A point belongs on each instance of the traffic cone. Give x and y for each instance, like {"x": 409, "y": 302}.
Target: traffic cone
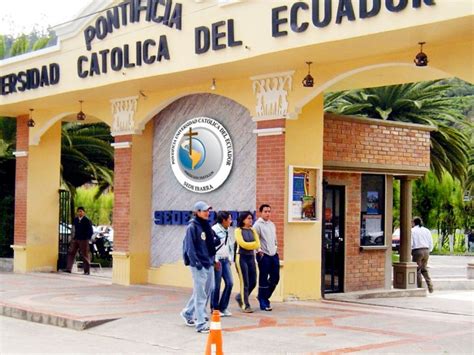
{"x": 214, "y": 341}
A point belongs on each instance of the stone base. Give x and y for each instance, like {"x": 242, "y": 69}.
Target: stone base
{"x": 404, "y": 275}
{"x": 470, "y": 271}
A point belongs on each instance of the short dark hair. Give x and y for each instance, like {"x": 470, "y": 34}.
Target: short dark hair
{"x": 242, "y": 217}
{"x": 263, "y": 206}
{"x": 80, "y": 208}
{"x": 417, "y": 221}
{"x": 222, "y": 216}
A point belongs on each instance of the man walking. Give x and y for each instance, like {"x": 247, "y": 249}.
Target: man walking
{"x": 421, "y": 246}
{"x": 82, "y": 233}
{"x": 267, "y": 258}
{"x": 224, "y": 256}
{"x": 198, "y": 252}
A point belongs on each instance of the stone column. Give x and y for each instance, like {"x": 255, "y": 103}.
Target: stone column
{"x": 404, "y": 272}
{"x": 21, "y": 179}
{"x": 271, "y": 111}
{"x": 36, "y": 198}
{"x": 132, "y": 195}
{"x": 271, "y": 172}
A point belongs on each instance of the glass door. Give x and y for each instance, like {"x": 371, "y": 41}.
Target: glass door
{"x": 333, "y": 239}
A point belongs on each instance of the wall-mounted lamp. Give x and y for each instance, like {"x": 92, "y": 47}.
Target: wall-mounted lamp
{"x": 213, "y": 85}
{"x": 31, "y": 121}
{"x": 81, "y": 116}
{"x": 308, "y": 81}
{"x": 421, "y": 59}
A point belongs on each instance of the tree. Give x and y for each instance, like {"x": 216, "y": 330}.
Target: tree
{"x": 423, "y": 103}
{"x": 86, "y": 156}
{"x": 10, "y": 46}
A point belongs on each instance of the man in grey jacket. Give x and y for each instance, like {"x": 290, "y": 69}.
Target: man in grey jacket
{"x": 267, "y": 258}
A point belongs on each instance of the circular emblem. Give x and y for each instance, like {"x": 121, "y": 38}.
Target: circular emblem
{"x": 201, "y": 154}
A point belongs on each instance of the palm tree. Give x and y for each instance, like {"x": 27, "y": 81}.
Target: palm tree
{"x": 422, "y": 103}
{"x": 86, "y": 156}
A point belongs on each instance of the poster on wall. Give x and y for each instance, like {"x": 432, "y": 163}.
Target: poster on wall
{"x": 298, "y": 186}
{"x": 302, "y": 184}
{"x": 372, "y": 202}
{"x": 372, "y": 229}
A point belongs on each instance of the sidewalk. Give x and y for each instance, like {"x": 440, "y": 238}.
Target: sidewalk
{"x": 148, "y": 316}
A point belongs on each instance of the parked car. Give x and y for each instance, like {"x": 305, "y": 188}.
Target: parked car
{"x": 396, "y": 240}
{"x": 64, "y": 228}
{"x": 102, "y": 242}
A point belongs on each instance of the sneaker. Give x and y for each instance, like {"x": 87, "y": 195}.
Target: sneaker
{"x": 239, "y": 301}
{"x": 430, "y": 288}
{"x": 66, "y": 270}
{"x": 264, "y": 305}
{"x": 225, "y": 313}
{"x": 188, "y": 322}
{"x": 203, "y": 330}
{"x": 267, "y": 308}
{"x": 248, "y": 310}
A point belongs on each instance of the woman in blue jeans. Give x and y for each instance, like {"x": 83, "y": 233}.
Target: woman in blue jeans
{"x": 224, "y": 256}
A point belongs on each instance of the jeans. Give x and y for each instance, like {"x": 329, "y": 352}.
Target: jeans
{"x": 203, "y": 283}
{"x": 269, "y": 276}
{"x": 223, "y": 273}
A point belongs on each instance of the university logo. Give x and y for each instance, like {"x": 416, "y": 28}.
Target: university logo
{"x": 201, "y": 154}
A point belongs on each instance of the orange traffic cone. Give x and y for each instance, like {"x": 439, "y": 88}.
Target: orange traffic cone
{"x": 214, "y": 341}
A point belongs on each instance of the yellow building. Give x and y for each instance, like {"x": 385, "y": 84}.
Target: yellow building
{"x": 151, "y": 70}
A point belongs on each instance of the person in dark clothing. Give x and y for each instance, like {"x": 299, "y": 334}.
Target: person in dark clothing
{"x": 248, "y": 241}
{"x": 82, "y": 233}
{"x": 267, "y": 258}
{"x": 199, "y": 250}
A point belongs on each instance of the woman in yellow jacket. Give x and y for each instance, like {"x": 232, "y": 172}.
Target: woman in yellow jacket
{"x": 247, "y": 241}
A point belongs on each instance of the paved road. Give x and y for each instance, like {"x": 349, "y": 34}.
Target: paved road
{"x": 148, "y": 322}
{"x": 303, "y": 327}
{"x": 445, "y": 266}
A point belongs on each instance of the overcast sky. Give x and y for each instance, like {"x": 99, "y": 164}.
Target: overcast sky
{"x": 21, "y": 16}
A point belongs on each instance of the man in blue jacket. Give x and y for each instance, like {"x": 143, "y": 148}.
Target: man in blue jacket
{"x": 198, "y": 252}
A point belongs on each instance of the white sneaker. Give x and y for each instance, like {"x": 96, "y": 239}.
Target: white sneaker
{"x": 225, "y": 313}
{"x": 187, "y": 321}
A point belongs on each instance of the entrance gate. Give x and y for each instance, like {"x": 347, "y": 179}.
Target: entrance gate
{"x": 64, "y": 227}
{"x": 333, "y": 239}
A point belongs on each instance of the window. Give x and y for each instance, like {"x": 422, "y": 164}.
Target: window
{"x": 372, "y": 205}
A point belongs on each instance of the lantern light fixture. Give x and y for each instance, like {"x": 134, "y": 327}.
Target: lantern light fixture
{"x": 81, "y": 116}
{"x": 213, "y": 85}
{"x": 308, "y": 81}
{"x": 31, "y": 122}
{"x": 421, "y": 59}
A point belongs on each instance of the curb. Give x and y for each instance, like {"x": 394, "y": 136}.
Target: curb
{"x": 453, "y": 284}
{"x": 381, "y": 293}
{"x": 50, "y": 319}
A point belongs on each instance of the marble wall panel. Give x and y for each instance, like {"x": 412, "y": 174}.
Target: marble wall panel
{"x": 237, "y": 193}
